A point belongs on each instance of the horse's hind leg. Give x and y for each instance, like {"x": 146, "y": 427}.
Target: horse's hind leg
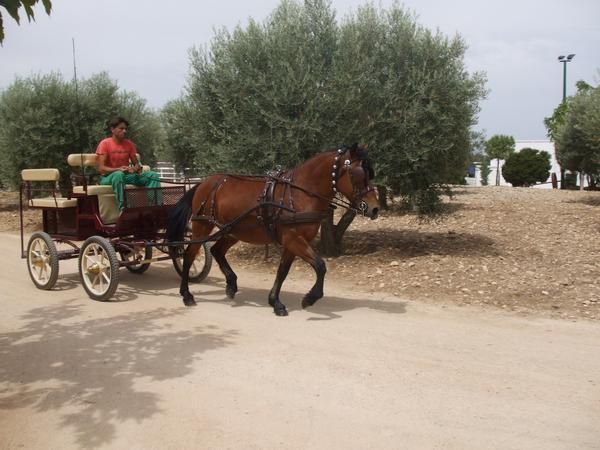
{"x": 284, "y": 267}
{"x": 199, "y": 230}
{"x": 218, "y": 250}
{"x": 184, "y": 287}
{"x": 299, "y": 246}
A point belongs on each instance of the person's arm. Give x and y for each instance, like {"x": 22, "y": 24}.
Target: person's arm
{"x": 104, "y": 169}
{"x": 137, "y": 168}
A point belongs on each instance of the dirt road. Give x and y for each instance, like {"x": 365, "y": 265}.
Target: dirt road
{"x": 356, "y": 371}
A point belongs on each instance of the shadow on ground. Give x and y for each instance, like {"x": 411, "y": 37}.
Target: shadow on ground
{"x": 409, "y": 243}
{"x": 89, "y": 369}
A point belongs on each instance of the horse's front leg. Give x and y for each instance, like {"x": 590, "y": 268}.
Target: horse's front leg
{"x": 300, "y": 247}
{"x": 284, "y": 267}
{"x": 218, "y": 250}
{"x": 184, "y": 288}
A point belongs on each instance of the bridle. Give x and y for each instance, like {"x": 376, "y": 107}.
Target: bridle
{"x": 356, "y": 201}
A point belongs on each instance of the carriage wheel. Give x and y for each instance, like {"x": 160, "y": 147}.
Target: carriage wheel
{"x": 201, "y": 265}
{"x": 42, "y": 260}
{"x": 99, "y": 268}
{"x": 138, "y": 254}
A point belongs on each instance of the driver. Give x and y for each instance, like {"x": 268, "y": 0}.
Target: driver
{"x": 118, "y": 163}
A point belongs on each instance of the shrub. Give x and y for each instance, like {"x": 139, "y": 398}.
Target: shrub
{"x": 527, "y": 167}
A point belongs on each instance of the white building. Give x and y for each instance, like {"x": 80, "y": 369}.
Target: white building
{"x": 542, "y": 145}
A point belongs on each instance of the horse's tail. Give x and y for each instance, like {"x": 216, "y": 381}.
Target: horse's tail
{"x": 179, "y": 216}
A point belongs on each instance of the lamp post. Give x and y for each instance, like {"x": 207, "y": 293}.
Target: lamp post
{"x": 564, "y": 60}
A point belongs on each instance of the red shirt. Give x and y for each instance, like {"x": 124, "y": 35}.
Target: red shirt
{"x": 117, "y": 154}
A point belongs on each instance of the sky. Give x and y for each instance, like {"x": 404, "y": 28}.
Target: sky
{"x": 146, "y": 48}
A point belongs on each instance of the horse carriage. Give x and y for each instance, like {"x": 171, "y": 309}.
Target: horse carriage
{"x": 284, "y": 207}
{"x": 87, "y": 225}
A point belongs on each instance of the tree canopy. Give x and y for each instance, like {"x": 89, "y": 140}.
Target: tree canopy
{"x": 499, "y": 146}
{"x": 275, "y": 93}
{"x": 44, "y": 118}
{"x": 13, "y": 8}
{"x": 576, "y": 139}
{"x": 527, "y": 167}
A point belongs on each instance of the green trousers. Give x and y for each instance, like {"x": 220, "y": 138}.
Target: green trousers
{"x": 119, "y": 179}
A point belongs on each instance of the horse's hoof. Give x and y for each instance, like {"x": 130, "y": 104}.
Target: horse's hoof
{"x": 189, "y": 301}
{"x": 281, "y": 311}
{"x": 306, "y": 302}
{"x": 230, "y": 292}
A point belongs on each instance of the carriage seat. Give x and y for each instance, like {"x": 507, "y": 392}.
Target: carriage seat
{"x": 30, "y": 176}
{"x": 107, "y": 203}
{"x": 83, "y": 160}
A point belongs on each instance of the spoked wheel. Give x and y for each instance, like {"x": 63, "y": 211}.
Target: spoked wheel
{"x": 138, "y": 254}
{"x": 42, "y": 260}
{"x": 99, "y": 268}
{"x": 201, "y": 265}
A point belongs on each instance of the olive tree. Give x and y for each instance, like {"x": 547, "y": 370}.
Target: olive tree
{"x": 577, "y": 143}
{"x": 275, "y": 93}
{"x": 45, "y": 118}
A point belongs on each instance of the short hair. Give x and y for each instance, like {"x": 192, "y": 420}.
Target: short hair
{"x": 116, "y": 121}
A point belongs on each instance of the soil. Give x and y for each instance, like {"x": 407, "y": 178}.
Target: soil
{"x": 440, "y": 365}
{"x": 529, "y": 251}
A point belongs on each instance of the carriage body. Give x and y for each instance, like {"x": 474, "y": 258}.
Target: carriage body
{"x": 86, "y": 224}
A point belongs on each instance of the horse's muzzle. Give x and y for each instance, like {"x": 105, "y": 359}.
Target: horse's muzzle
{"x": 364, "y": 208}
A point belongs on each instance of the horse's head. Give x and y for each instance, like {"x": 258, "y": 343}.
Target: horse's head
{"x": 352, "y": 174}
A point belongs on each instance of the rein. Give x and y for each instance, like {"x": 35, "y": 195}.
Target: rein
{"x": 270, "y": 212}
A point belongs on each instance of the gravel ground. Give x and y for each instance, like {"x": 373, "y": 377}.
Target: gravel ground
{"x": 527, "y": 251}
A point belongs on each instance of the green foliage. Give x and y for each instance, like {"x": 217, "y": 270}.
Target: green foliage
{"x": 554, "y": 122}
{"x": 485, "y": 170}
{"x": 258, "y": 97}
{"x": 499, "y": 147}
{"x": 577, "y": 140}
{"x": 527, "y": 167}
{"x": 13, "y": 6}
{"x": 45, "y": 118}
{"x": 278, "y": 92}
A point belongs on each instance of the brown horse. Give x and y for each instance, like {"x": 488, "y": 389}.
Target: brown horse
{"x": 286, "y": 207}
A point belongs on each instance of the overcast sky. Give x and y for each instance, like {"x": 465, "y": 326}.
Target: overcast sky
{"x": 144, "y": 46}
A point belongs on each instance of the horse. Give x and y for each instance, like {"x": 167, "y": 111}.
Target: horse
{"x": 284, "y": 207}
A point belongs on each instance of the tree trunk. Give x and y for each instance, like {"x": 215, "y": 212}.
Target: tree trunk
{"x": 497, "y": 172}
{"x": 331, "y": 234}
{"x": 382, "y": 192}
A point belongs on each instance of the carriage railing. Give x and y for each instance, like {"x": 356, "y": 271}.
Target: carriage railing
{"x": 148, "y": 197}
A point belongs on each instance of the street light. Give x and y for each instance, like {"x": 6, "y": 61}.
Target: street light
{"x": 565, "y": 59}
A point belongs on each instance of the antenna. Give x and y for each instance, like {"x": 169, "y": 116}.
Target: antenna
{"x": 74, "y": 68}
{"x": 77, "y": 109}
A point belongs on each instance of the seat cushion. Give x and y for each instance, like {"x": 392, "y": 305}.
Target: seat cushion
{"x": 97, "y": 189}
{"x": 40, "y": 174}
{"x": 52, "y": 202}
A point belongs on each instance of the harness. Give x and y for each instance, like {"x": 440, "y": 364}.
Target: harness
{"x": 272, "y": 211}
